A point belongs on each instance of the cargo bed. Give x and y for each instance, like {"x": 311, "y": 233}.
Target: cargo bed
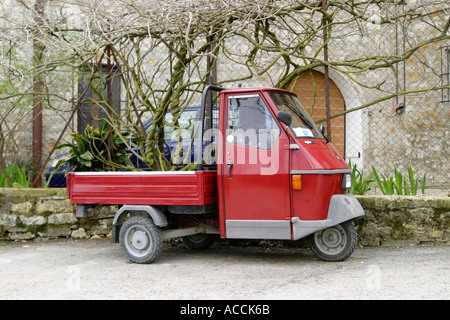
{"x": 195, "y": 188}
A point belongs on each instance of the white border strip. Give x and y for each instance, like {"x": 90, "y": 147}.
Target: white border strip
{"x": 134, "y": 173}
{"x": 336, "y": 171}
{"x": 244, "y": 96}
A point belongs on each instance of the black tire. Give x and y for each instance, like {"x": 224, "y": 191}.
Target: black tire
{"x": 199, "y": 241}
{"x": 336, "y": 243}
{"x": 141, "y": 239}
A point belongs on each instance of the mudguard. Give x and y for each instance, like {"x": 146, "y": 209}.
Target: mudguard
{"x": 343, "y": 207}
{"x": 156, "y": 214}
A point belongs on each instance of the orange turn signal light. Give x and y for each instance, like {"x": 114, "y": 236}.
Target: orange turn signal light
{"x": 297, "y": 183}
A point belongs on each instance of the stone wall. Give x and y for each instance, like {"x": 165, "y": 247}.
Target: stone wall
{"x": 394, "y": 219}
{"x": 27, "y": 214}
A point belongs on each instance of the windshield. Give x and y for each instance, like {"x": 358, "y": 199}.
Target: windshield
{"x": 302, "y": 125}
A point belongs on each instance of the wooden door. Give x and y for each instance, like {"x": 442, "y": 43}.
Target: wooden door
{"x": 312, "y": 96}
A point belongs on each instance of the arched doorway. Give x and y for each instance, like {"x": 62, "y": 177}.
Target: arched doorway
{"x": 310, "y": 89}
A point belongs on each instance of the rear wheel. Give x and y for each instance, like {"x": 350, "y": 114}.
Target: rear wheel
{"x": 199, "y": 241}
{"x": 334, "y": 244}
{"x": 141, "y": 239}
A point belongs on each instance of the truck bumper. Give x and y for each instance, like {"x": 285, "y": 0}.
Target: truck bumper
{"x": 343, "y": 207}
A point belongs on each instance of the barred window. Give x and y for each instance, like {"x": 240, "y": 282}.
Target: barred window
{"x": 98, "y": 103}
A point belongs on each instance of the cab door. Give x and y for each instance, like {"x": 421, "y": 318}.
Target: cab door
{"x": 255, "y": 172}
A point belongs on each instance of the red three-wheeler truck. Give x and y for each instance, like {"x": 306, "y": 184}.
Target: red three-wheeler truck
{"x": 264, "y": 171}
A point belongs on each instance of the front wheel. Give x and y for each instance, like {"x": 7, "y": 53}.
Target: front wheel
{"x": 336, "y": 243}
{"x": 141, "y": 239}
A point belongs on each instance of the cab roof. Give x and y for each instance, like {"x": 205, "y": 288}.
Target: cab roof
{"x": 251, "y": 89}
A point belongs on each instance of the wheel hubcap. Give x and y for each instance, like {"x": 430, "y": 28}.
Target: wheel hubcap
{"x": 138, "y": 241}
{"x": 331, "y": 240}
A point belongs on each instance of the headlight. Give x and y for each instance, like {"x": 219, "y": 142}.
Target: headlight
{"x": 347, "y": 181}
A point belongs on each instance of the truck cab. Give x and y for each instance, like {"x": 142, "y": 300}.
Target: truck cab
{"x": 278, "y": 175}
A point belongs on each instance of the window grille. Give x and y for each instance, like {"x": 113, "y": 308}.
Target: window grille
{"x": 93, "y": 111}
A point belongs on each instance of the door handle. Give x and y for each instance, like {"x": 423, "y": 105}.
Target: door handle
{"x": 229, "y": 164}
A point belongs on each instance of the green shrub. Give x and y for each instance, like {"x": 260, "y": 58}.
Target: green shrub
{"x": 360, "y": 184}
{"x": 398, "y": 184}
{"x": 17, "y": 176}
{"x": 97, "y": 150}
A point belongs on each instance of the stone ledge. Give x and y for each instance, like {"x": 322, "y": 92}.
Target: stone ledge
{"x": 27, "y": 214}
{"x": 405, "y": 219}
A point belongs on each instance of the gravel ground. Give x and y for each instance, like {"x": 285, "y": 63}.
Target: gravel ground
{"x": 98, "y": 269}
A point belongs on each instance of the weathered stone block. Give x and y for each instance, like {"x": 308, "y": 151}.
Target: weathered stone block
{"x": 58, "y": 232}
{"x": 33, "y": 220}
{"x": 22, "y": 236}
{"x": 16, "y": 229}
{"x": 79, "y": 234}
{"x": 22, "y": 207}
{"x": 8, "y": 220}
{"x": 102, "y": 228}
{"x": 53, "y": 206}
{"x": 62, "y": 218}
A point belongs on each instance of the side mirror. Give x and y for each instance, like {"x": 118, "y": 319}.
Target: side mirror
{"x": 285, "y": 117}
{"x": 322, "y": 129}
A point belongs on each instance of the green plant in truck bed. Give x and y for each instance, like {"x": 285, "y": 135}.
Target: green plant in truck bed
{"x": 100, "y": 149}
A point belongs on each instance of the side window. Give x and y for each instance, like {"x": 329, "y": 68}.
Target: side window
{"x": 250, "y": 122}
